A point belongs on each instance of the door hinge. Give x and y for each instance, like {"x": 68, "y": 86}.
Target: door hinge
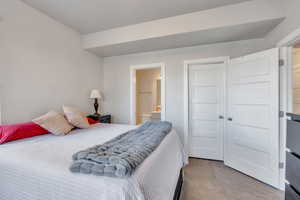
{"x": 281, "y": 165}
{"x": 281, "y": 114}
{"x": 281, "y": 62}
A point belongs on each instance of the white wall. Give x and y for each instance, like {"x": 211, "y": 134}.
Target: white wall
{"x": 291, "y": 22}
{"x": 42, "y": 64}
{"x": 117, "y": 76}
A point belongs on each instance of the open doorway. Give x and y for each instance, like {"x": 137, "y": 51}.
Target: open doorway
{"x": 147, "y": 93}
{"x": 296, "y": 79}
{"x": 148, "y": 100}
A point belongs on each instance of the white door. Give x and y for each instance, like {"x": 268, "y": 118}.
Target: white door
{"x": 206, "y": 110}
{"x": 252, "y": 127}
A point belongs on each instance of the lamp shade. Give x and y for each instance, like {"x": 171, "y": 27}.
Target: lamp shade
{"x": 95, "y": 94}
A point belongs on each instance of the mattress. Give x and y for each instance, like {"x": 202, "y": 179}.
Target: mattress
{"x": 38, "y": 169}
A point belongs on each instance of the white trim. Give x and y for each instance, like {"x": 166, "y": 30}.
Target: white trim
{"x": 133, "y": 69}
{"x": 283, "y": 99}
{"x": 215, "y": 60}
{"x": 0, "y": 114}
{"x": 1, "y": 100}
{"x": 186, "y": 63}
{"x": 226, "y": 62}
{"x": 285, "y": 102}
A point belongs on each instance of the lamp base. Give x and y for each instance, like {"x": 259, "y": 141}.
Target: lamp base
{"x": 97, "y": 114}
{"x": 96, "y": 106}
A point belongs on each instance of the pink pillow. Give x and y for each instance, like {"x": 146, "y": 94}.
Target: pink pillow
{"x": 92, "y": 121}
{"x": 20, "y": 131}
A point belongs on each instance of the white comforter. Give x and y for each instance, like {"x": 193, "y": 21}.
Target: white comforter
{"x": 38, "y": 169}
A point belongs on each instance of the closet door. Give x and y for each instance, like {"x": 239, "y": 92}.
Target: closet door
{"x": 206, "y": 109}
{"x": 252, "y": 128}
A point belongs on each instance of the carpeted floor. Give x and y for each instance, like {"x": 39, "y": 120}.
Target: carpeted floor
{"x": 211, "y": 180}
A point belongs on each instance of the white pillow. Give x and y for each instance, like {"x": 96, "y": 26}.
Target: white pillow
{"x": 54, "y": 122}
{"x": 75, "y": 117}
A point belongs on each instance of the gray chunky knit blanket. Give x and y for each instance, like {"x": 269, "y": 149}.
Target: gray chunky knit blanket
{"x": 120, "y": 156}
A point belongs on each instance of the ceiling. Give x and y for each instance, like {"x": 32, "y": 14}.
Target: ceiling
{"x": 97, "y": 15}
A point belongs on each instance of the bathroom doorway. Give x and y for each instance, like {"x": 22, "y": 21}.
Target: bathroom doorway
{"x": 147, "y": 93}
{"x": 295, "y": 79}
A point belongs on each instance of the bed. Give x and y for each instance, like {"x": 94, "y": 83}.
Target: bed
{"x": 38, "y": 169}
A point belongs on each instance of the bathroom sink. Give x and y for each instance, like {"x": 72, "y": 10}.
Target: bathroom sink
{"x": 155, "y": 115}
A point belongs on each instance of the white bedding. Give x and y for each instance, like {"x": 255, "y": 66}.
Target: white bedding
{"x": 38, "y": 169}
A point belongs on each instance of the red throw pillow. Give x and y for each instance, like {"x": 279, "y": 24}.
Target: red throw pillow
{"x": 20, "y": 131}
{"x": 92, "y": 121}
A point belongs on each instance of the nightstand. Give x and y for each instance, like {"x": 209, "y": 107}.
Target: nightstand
{"x": 103, "y": 118}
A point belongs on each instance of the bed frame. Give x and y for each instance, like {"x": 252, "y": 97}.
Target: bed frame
{"x": 179, "y": 185}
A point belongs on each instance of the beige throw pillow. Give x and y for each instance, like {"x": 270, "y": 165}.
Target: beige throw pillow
{"x": 75, "y": 117}
{"x": 54, "y": 122}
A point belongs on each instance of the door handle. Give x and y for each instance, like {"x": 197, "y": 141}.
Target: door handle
{"x": 229, "y": 119}
{"x": 221, "y": 117}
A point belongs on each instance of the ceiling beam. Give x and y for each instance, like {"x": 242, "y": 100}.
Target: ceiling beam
{"x": 247, "y": 20}
{"x": 232, "y": 15}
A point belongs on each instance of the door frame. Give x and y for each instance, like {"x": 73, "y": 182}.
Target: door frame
{"x": 187, "y": 63}
{"x": 133, "y": 69}
{"x": 286, "y": 93}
